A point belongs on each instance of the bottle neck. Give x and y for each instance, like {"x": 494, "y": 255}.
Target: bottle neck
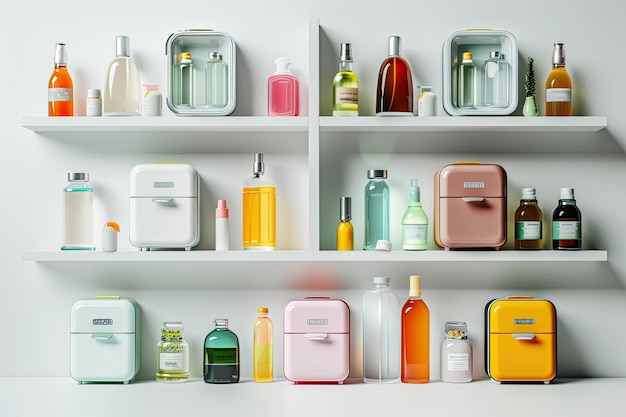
{"x": 567, "y": 202}
{"x": 414, "y": 196}
{"x": 345, "y": 66}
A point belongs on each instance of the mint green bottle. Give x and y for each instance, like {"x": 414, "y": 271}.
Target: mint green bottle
{"x": 376, "y": 208}
{"x": 221, "y": 355}
{"x": 414, "y": 222}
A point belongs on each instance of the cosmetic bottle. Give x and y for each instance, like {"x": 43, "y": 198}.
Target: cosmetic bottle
{"x": 283, "y": 98}
{"x": 221, "y": 226}
{"x": 528, "y": 222}
{"x": 78, "y": 213}
{"x": 93, "y": 105}
{"x": 152, "y": 100}
{"x": 496, "y": 75}
{"x": 381, "y": 333}
{"x": 415, "y": 340}
{"x": 456, "y": 353}
{"x": 221, "y": 355}
{"x": 184, "y": 81}
{"x": 558, "y": 85}
{"x": 394, "y": 92}
{"x": 216, "y": 81}
{"x": 345, "y": 231}
{"x": 567, "y": 223}
{"x": 414, "y": 222}
{"x": 345, "y": 85}
{"x": 259, "y": 209}
{"x": 376, "y": 208}
{"x": 467, "y": 81}
{"x": 60, "y": 85}
{"x": 263, "y": 347}
{"x": 173, "y": 354}
{"x": 122, "y": 92}
{"x": 426, "y": 101}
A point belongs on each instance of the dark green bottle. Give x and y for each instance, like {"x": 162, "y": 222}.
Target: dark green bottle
{"x": 221, "y": 355}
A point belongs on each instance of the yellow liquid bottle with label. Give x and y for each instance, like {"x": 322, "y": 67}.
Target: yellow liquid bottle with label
{"x": 259, "y": 209}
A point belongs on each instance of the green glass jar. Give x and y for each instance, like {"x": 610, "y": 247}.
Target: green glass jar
{"x": 221, "y": 355}
{"x": 173, "y": 354}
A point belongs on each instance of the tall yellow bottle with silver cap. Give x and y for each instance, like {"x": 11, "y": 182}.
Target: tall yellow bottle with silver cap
{"x": 259, "y": 209}
{"x": 415, "y": 340}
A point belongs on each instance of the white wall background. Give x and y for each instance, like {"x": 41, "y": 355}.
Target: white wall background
{"x": 36, "y": 299}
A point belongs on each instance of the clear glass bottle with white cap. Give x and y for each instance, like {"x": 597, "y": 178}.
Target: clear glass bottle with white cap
{"x": 381, "y": 333}
{"x": 376, "y": 208}
{"x": 456, "y": 353}
{"x": 78, "y": 213}
{"x": 122, "y": 92}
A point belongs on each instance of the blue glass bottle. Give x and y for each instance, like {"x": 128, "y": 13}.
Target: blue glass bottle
{"x": 376, "y": 208}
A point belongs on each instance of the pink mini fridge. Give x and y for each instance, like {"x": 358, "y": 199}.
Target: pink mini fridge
{"x": 470, "y": 206}
{"x": 316, "y": 340}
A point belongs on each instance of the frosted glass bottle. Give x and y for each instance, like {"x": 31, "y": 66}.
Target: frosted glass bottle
{"x": 221, "y": 355}
{"x": 376, "y": 208}
{"x": 467, "y": 81}
{"x": 259, "y": 209}
{"x": 263, "y": 347}
{"x": 381, "y": 333}
{"x": 216, "y": 83}
{"x": 184, "y": 81}
{"x": 122, "y": 90}
{"x": 78, "y": 213}
{"x": 414, "y": 222}
{"x": 496, "y": 75}
{"x": 456, "y": 353}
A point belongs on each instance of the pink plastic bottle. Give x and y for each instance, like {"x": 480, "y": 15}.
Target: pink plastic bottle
{"x": 283, "y": 91}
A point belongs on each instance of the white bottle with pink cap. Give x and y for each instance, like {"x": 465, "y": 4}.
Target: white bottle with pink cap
{"x": 221, "y": 226}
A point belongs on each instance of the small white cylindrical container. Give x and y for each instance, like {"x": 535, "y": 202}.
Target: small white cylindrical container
{"x": 221, "y": 226}
{"x": 109, "y": 237}
{"x": 426, "y": 101}
{"x": 93, "y": 103}
{"x": 456, "y": 353}
{"x": 152, "y": 101}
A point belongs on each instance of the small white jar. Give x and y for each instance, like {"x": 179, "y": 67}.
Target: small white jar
{"x": 94, "y": 103}
{"x": 152, "y": 101}
{"x": 456, "y": 353}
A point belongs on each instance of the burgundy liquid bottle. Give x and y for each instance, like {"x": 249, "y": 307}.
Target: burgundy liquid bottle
{"x": 394, "y": 95}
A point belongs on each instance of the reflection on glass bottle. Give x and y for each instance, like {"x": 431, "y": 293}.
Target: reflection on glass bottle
{"x": 467, "y": 81}
{"x": 495, "y": 71}
{"x": 184, "y": 81}
{"x": 221, "y": 355}
{"x": 216, "y": 83}
{"x": 395, "y": 82}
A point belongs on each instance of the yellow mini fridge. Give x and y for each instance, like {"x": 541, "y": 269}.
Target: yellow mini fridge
{"x": 520, "y": 340}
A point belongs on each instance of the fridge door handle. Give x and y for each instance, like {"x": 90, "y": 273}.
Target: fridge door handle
{"x": 162, "y": 200}
{"x": 523, "y": 336}
{"x": 473, "y": 199}
{"x": 316, "y": 336}
{"x": 102, "y": 336}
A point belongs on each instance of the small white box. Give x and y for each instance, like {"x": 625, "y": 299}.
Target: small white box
{"x": 164, "y": 206}
{"x": 104, "y": 340}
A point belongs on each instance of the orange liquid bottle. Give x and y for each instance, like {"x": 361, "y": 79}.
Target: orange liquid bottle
{"x": 60, "y": 86}
{"x": 415, "y": 341}
{"x": 558, "y": 86}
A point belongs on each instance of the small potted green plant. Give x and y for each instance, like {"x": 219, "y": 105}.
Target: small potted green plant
{"x": 530, "y": 104}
